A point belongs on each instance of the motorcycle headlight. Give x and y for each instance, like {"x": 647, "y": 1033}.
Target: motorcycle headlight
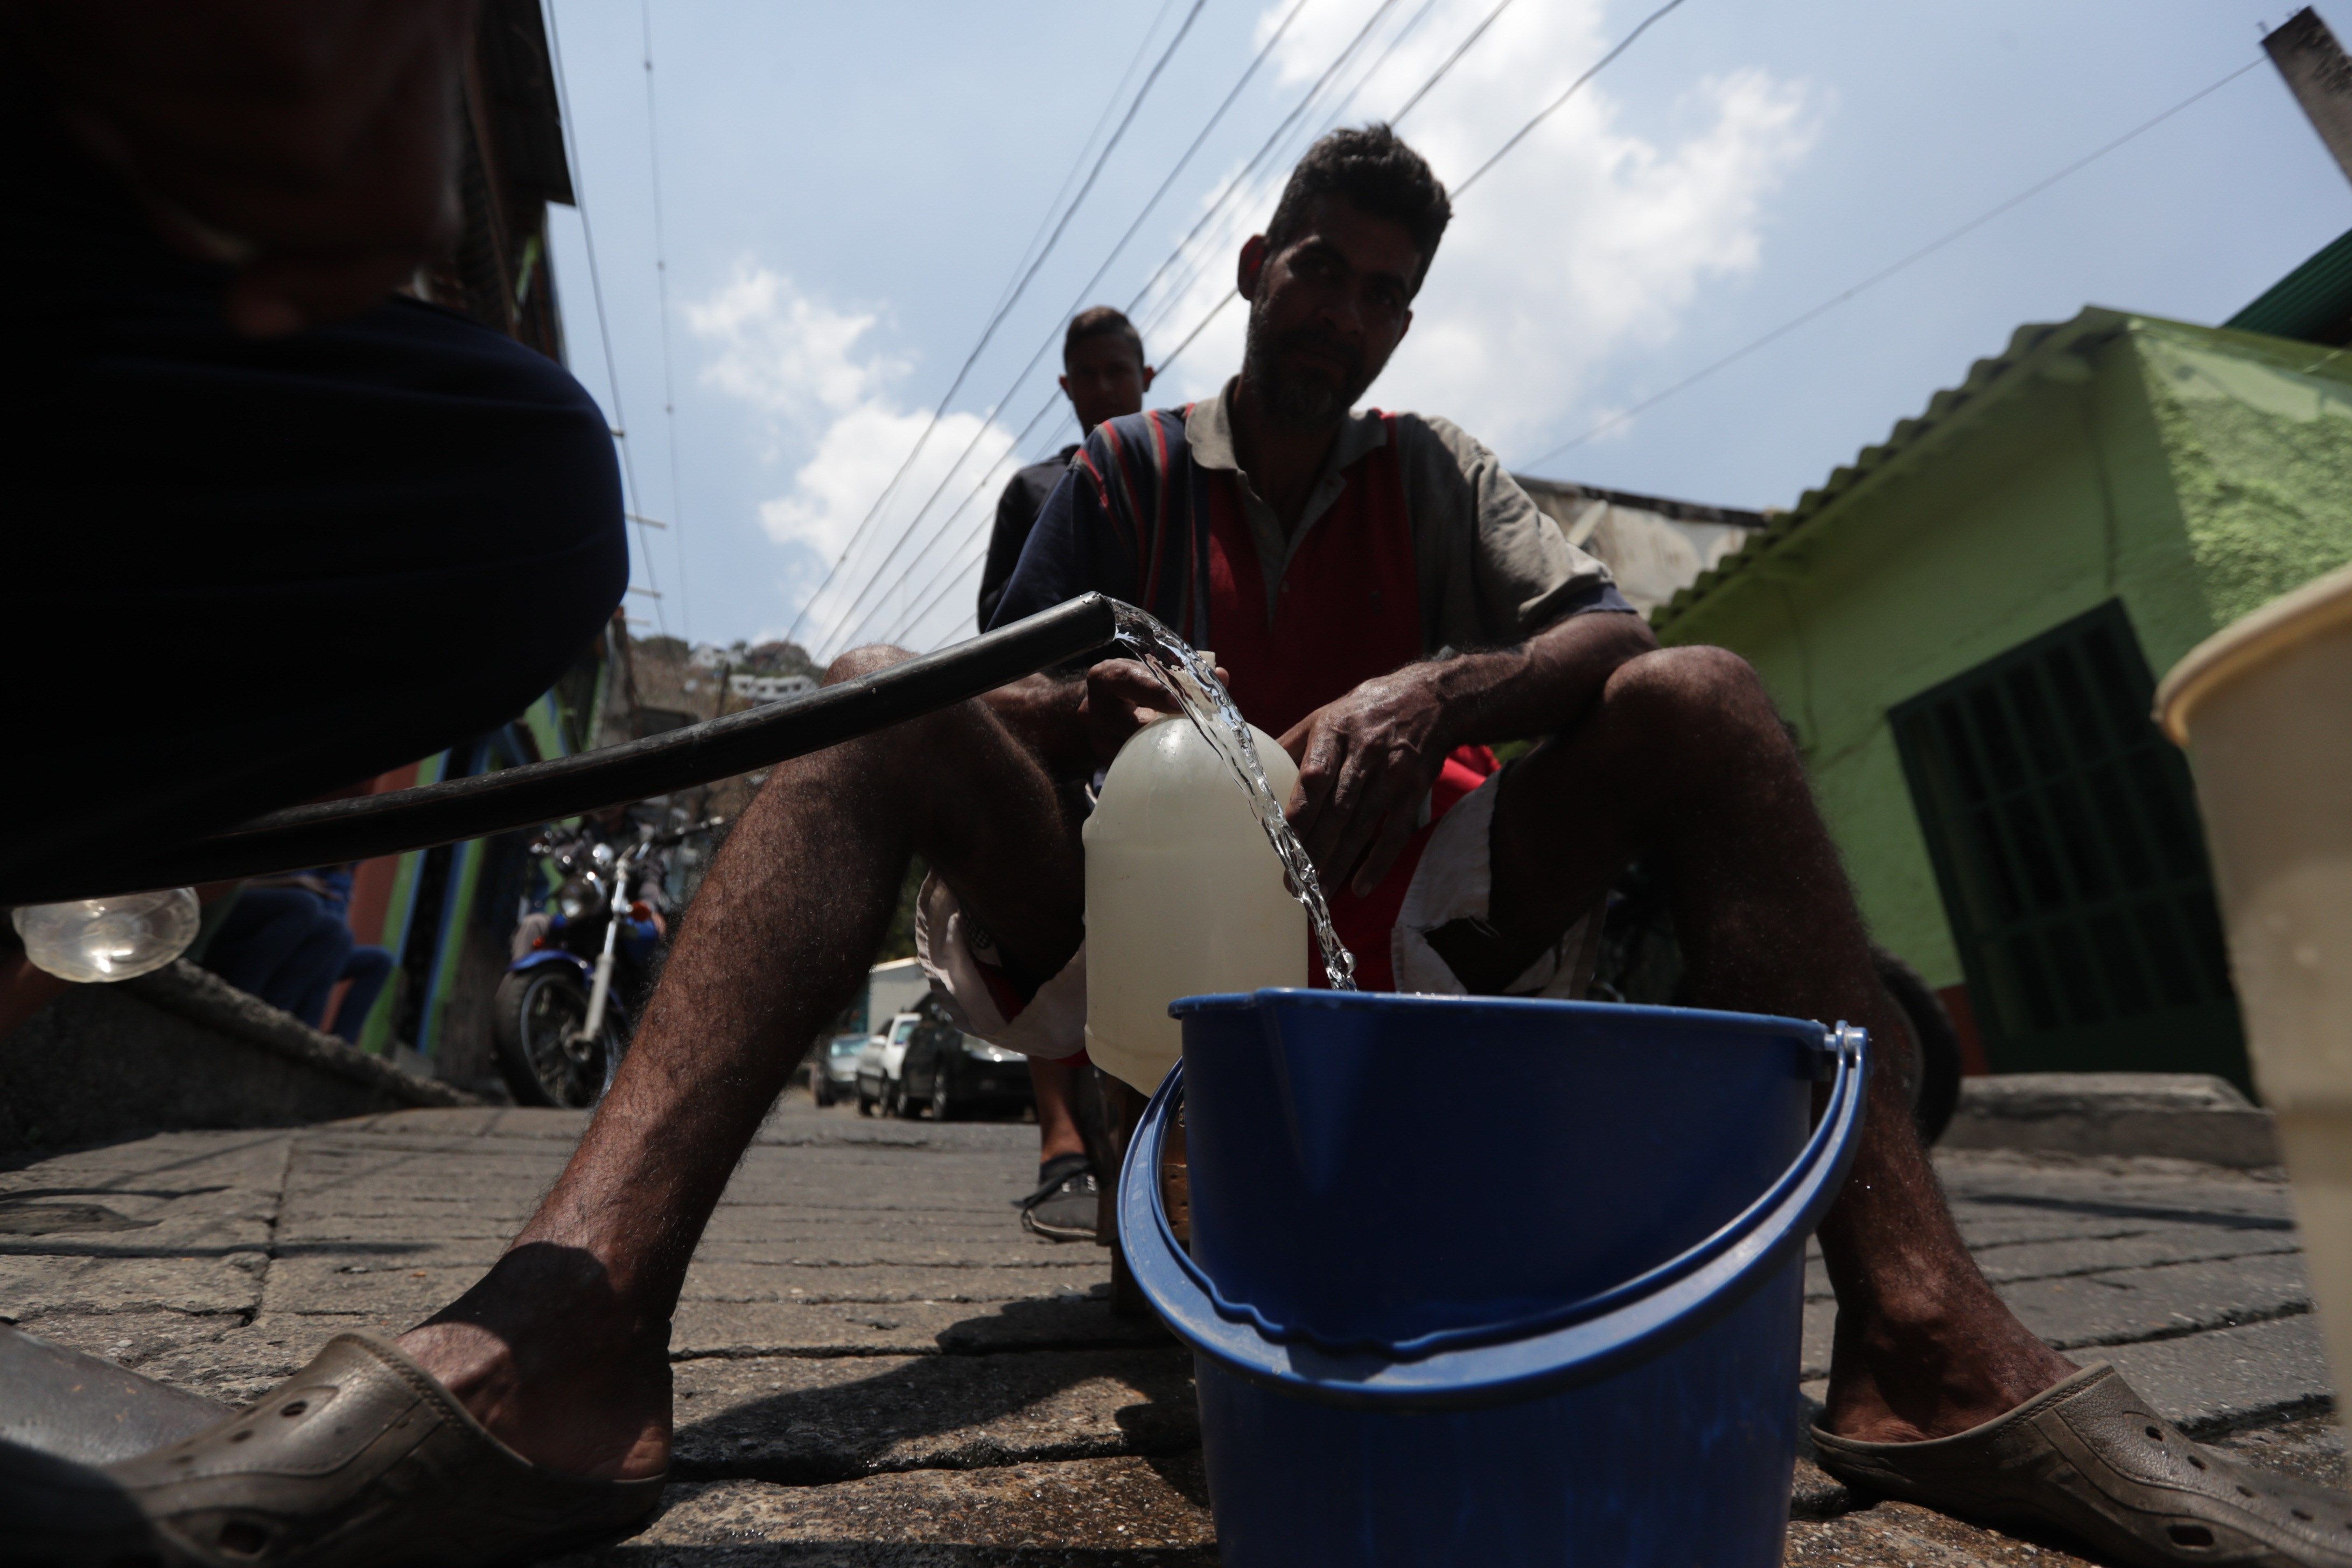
{"x": 577, "y": 899}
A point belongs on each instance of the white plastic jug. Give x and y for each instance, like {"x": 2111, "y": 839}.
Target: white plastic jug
{"x": 1184, "y": 895}
{"x": 2264, "y": 709}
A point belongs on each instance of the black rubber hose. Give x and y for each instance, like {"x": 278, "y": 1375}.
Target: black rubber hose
{"x": 331, "y": 832}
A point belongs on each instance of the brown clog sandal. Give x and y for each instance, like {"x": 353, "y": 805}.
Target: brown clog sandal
{"x": 2094, "y": 1459}
{"x": 362, "y": 1460}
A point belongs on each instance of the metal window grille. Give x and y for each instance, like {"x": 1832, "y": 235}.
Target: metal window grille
{"x": 2066, "y": 843}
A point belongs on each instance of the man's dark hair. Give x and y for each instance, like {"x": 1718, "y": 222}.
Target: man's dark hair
{"x": 1097, "y": 321}
{"x": 1374, "y": 169}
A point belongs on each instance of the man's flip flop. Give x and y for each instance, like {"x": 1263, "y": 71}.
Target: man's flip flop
{"x": 362, "y": 1460}
{"x": 2094, "y": 1459}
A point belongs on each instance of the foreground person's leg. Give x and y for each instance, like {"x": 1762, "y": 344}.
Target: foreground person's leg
{"x": 1685, "y": 760}
{"x": 563, "y": 1349}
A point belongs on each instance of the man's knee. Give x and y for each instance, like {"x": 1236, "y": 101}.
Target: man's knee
{"x": 1684, "y": 689}
{"x": 960, "y": 731}
{"x": 868, "y": 660}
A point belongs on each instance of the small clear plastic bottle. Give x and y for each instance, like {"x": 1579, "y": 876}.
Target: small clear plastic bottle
{"x": 109, "y": 939}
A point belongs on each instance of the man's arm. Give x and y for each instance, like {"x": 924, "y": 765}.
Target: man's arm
{"x": 1014, "y": 520}
{"x": 1366, "y": 761}
{"x": 1074, "y": 720}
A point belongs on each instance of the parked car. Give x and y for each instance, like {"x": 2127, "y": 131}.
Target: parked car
{"x": 879, "y": 1063}
{"x": 952, "y": 1073}
{"x": 833, "y": 1074}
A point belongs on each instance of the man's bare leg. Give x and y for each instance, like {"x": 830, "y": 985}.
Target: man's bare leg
{"x": 562, "y": 1349}
{"x": 1684, "y": 759}
{"x": 1056, "y": 1085}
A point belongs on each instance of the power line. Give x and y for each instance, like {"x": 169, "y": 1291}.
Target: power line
{"x": 930, "y": 596}
{"x": 1233, "y": 184}
{"x": 1199, "y": 327}
{"x": 989, "y": 332}
{"x": 1419, "y": 93}
{"x": 1214, "y": 210}
{"x": 907, "y": 623}
{"x": 1085, "y": 149}
{"x": 1459, "y": 50}
{"x": 1207, "y": 253}
{"x": 596, "y": 289}
{"x": 1785, "y": 327}
{"x": 1022, "y": 270}
{"x": 1084, "y": 289}
{"x": 661, "y": 277}
{"x": 1545, "y": 112}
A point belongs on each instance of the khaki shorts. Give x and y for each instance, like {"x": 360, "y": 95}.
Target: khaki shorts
{"x": 1452, "y": 882}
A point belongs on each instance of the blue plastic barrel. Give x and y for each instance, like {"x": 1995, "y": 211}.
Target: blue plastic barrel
{"x": 1494, "y": 1282}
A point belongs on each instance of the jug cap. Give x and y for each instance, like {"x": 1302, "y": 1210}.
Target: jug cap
{"x": 2284, "y": 624}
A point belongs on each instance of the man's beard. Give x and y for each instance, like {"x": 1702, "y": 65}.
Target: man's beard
{"x": 1299, "y": 399}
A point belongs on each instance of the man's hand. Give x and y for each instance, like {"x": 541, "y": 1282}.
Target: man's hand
{"x": 1122, "y": 696}
{"x": 1365, "y": 766}
{"x": 1079, "y": 725}
{"x": 311, "y": 143}
{"x": 1366, "y": 762}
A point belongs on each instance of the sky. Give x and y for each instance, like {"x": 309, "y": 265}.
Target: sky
{"x": 799, "y": 242}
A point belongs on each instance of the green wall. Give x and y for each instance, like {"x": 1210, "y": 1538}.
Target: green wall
{"x": 2192, "y": 472}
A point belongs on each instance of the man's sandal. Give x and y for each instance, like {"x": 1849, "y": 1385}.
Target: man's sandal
{"x": 362, "y": 1460}
{"x": 2094, "y": 1459}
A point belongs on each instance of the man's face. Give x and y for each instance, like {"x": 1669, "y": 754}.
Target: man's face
{"x": 1104, "y": 378}
{"x": 1326, "y": 310}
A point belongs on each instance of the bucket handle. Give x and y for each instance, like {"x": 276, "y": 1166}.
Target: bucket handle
{"x": 1579, "y": 1342}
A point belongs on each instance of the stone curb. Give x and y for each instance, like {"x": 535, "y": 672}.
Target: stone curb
{"x": 202, "y": 997}
{"x": 2180, "y": 1116}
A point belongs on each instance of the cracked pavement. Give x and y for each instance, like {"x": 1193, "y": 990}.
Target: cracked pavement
{"x": 876, "y": 1366}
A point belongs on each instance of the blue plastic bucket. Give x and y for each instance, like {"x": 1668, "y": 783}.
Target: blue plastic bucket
{"x": 1485, "y": 1282}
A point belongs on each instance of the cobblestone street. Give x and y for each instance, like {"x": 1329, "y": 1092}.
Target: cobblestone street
{"x": 876, "y": 1365}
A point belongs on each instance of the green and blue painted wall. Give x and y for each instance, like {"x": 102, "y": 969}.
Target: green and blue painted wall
{"x": 2174, "y": 476}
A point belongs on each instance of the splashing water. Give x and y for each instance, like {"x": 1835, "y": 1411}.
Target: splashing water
{"x": 1204, "y": 701}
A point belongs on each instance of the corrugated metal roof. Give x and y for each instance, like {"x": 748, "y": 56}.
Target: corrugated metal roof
{"x": 2313, "y": 303}
{"x": 1988, "y": 379}
{"x": 1679, "y": 510}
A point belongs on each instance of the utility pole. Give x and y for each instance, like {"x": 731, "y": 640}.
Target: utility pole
{"x": 2320, "y": 77}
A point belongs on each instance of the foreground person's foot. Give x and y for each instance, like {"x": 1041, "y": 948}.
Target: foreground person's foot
{"x": 1066, "y": 1202}
{"x": 362, "y": 1458}
{"x": 2089, "y": 1459}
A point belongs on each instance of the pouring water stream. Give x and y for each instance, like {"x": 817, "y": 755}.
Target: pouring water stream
{"x": 1187, "y": 678}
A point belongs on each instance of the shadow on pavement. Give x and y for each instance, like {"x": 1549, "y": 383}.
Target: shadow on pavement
{"x": 960, "y": 1411}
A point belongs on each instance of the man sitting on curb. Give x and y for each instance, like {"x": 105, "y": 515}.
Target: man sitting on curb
{"x": 1332, "y": 561}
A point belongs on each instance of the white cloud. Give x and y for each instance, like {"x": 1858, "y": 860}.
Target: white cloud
{"x": 825, "y": 396}
{"x": 1586, "y": 245}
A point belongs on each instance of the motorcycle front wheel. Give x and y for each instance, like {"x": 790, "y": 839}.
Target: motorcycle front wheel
{"x": 536, "y": 1019}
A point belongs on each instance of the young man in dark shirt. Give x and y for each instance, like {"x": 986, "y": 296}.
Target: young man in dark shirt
{"x": 1105, "y": 377}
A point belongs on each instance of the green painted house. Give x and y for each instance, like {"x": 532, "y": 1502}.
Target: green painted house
{"x": 1964, "y": 627}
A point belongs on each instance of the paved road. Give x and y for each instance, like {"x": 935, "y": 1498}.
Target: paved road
{"x": 876, "y": 1366}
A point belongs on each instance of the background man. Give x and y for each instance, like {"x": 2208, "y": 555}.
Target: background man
{"x": 1104, "y": 376}
{"x": 1336, "y": 558}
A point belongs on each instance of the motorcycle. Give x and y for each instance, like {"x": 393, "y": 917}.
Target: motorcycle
{"x": 559, "y": 1020}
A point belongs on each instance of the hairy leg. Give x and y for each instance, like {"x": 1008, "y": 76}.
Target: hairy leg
{"x": 561, "y": 1350}
{"x": 1684, "y": 759}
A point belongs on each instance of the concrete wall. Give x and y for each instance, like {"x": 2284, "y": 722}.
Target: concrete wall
{"x": 2193, "y": 473}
